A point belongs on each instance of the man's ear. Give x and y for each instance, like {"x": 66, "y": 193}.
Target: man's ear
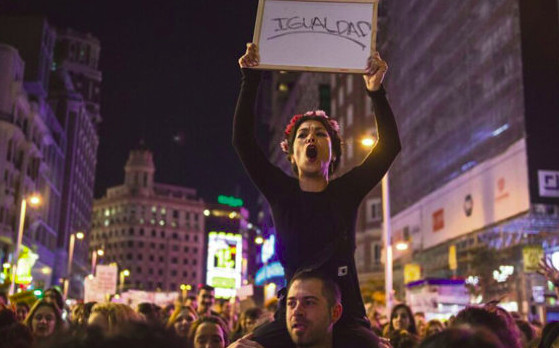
{"x": 336, "y": 312}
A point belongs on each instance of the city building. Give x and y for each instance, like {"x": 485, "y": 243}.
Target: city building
{"x": 32, "y": 145}
{"x": 474, "y": 87}
{"x": 155, "y": 231}
{"x": 74, "y": 96}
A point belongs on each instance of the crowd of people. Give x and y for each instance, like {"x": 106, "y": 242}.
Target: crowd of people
{"x": 313, "y": 306}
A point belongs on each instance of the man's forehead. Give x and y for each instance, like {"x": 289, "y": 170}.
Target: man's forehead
{"x": 305, "y": 288}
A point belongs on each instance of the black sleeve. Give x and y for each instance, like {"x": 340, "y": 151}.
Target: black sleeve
{"x": 364, "y": 177}
{"x": 265, "y": 175}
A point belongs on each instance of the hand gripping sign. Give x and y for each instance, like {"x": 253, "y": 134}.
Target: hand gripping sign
{"x": 316, "y": 35}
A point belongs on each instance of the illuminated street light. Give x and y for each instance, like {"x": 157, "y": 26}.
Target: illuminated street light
{"x": 368, "y": 141}
{"x": 33, "y": 200}
{"x": 79, "y": 235}
{"x": 94, "y": 254}
{"x": 206, "y": 212}
{"x": 259, "y": 240}
{"x": 123, "y": 274}
{"x": 402, "y": 246}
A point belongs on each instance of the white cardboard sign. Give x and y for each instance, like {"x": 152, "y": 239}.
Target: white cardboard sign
{"x": 316, "y": 35}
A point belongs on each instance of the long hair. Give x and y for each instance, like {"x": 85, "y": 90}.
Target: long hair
{"x": 412, "y": 328}
{"x": 59, "y": 326}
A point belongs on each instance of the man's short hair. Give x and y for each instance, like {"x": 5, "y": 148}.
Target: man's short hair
{"x": 330, "y": 289}
{"x": 205, "y": 287}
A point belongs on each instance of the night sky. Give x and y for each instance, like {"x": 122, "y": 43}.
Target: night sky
{"x": 170, "y": 77}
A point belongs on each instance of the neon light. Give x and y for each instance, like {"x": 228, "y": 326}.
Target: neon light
{"x": 230, "y": 201}
{"x": 273, "y": 270}
{"x": 224, "y": 263}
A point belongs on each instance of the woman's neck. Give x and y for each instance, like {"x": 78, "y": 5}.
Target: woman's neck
{"x": 313, "y": 184}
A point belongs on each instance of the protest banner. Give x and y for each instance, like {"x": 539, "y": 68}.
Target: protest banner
{"x": 316, "y": 35}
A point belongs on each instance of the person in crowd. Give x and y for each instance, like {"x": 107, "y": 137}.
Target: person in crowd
{"x": 493, "y": 320}
{"x": 527, "y": 332}
{"x": 52, "y": 295}
{"x": 151, "y": 312}
{"x": 403, "y": 339}
{"x": 247, "y": 322}
{"x": 7, "y": 316}
{"x": 45, "y": 321}
{"x": 550, "y": 336}
{"x": 373, "y": 316}
{"x": 206, "y": 300}
{"x": 462, "y": 338}
{"x": 226, "y": 309}
{"x": 181, "y": 320}
{"x": 314, "y": 214}
{"x": 208, "y": 332}
{"x": 191, "y": 301}
{"x": 432, "y": 327}
{"x": 3, "y": 298}
{"x": 16, "y": 335}
{"x": 110, "y": 317}
{"x": 401, "y": 318}
{"x": 420, "y": 322}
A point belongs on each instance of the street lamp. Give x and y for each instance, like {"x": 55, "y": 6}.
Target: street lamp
{"x": 94, "y": 254}
{"x": 34, "y": 201}
{"x": 123, "y": 274}
{"x": 401, "y": 246}
{"x": 73, "y": 236}
{"x": 370, "y": 142}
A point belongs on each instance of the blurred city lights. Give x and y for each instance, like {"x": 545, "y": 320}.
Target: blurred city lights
{"x": 402, "y": 246}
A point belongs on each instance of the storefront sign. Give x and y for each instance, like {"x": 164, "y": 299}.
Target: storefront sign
{"x": 224, "y": 263}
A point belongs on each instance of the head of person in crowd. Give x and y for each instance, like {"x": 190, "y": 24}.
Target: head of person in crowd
{"x": 401, "y": 318}
{"x": 132, "y": 334}
{"x": 3, "y": 298}
{"x": 462, "y": 338}
{"x": 110, "y": 317}
{"x": 16, "y": 335}
{"x": 420, "y": 321}
{"x": 527, "y": 331}
{"x": 403, "y": 339}
{"x": 44, "y": 319}
{"x": 432, "y": 327}
{"x": 53, "y": 295}
{"x": 7, "y": 316}
{"x": 492, "y": 320}
{"x": 313, "y": 306}
{"x": 205, "y": 300}
{"x": 181, "y": 320}
{"x": 22, "y": 309}
{"x": 316, "y": 136}
{"x": 271, "y": 305}
{"x": 550, "y": 336}
{"x": 151, "y": 312}
{"x": 191, "y": 301}
{"x": 208, "y": 332}
{"x": 247, "y": 322}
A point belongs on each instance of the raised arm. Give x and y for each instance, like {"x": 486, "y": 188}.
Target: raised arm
{"x": 260, "y": 170}
{"x": 376, "y": 164}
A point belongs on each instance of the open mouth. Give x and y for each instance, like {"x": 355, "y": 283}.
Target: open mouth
{"x": 311, "y": 152}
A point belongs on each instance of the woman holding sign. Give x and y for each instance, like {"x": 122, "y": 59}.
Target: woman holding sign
{"x": 315, "y": 216}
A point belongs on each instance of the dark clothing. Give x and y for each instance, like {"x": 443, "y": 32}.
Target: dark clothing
{"x": 316, "y": 229}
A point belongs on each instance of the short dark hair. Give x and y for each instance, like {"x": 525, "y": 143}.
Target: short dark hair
{"x": 493, "y": 320}
{"x": 462, "y": 338}
{"x": 330, "y": 289}
{"x": 205, "y": 287}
